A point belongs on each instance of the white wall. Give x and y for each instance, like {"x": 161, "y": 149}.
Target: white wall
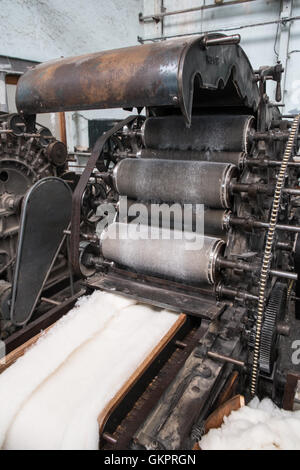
{"x": 258, "y": 42}
{"x": 47, "y": 29}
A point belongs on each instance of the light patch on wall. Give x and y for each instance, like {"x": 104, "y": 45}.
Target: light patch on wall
{"x": 295, "y": 97}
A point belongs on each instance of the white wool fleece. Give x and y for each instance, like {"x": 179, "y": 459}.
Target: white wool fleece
{"x": 19, "y": 381}
{"x": 62, "y": 413}
{"x": 259, "y": 426}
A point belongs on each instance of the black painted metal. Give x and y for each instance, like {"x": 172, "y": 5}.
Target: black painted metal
{"x": 214, "y": 133}
{"x": 162, "y": 295}
{"x": 236, "y": 158}
{"x": 46, "y": 214}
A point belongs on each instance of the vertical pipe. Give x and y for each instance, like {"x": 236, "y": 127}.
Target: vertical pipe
{"x": 62, "y": 127}
{"x": 3, "y": 94}
{"x": 284, "y": 39}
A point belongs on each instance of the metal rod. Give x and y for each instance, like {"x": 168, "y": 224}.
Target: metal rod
{"x": 227, "y": 263}
{"x": 47, "y": 137}
{"x": 81, "y": 154}
{"x": 159, "y": 16}
{"x": 251, "y": 188}
{"x": 269, "y": 136}
{"x": 50, "y": 301}
{"x": 11, "y": 261}
{"x": 233, "y": 292}
{"x": 241, "y": 265}
{"x": 109, "y": 438}
{"x": 233, "y": 39}
{"x": 70, "y": 267}
{"x": 86, "y": 236}
{"x": 260, "y": 188}
{"x": 231, "y": 28}
{"x": 223, "y": 358}
{"x": 49, "y": 271}
{"x": 257, "y": 162}
{"x": 291, "y": 191}
{"x": 264, "y": 225}
{"x": 287, "y": 228}
{"x": 290, "y": 164}
{"x": 283, "y": 274}
{"x": 284, "y": 246}
{"x": 62, "y": 127}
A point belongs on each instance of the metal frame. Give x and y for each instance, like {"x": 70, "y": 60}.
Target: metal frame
{"x": 159, "y": 16}
{"x": 281, "y": 21}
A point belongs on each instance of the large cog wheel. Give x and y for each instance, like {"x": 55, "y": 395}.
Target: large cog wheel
{"x": 273, "y": 312}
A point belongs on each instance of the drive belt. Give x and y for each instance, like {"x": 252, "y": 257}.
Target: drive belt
{"x": 79, "y": 190}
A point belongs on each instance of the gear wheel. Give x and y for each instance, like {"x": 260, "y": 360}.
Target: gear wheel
{"x": 24, "y": 159}
{"x": 273, "y": 312}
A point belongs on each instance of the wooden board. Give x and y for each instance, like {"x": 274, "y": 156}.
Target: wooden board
{"x": 34, "y": 327}
{"x": 216, "y": 419}
{"x": 10, "y": 358}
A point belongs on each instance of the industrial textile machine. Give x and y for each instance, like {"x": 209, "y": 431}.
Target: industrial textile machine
{"x": 29, "y": 161}
{"x": 194, "y": 205}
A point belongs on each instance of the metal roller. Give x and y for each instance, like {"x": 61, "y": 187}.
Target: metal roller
{"x": 175, "y": 181}
{"x": 210, "y": 132}
{"x": 236, "y": 158}
{"x": 165, "y": 255}
{"x": 216, "y": 221}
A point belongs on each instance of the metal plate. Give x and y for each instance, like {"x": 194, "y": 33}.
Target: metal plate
{"x": 46, "y": 214}
{"x": 159, "y": 74}
{"x": 163, "y": 296}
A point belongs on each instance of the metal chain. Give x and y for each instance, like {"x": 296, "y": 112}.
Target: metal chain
{"x": 268, "y": 251}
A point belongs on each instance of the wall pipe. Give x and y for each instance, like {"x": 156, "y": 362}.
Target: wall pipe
{"x": 233, "y": 28}
{"x": 158, "y": 16}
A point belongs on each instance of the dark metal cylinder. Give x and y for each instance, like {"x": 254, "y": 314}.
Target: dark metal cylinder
{"x": 236, "y": 158}
{"x": 209, "y": 132}
{"x": 165, "y": 256}
{"x": 175, "y": 181}
{"x": 210, "y": 222}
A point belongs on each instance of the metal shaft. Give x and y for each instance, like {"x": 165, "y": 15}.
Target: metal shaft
{"x": 233, "y": 292}
{"x": 159, "y": 16}
{"x": 252, "y": 223}
{"x": 260, "y": 189}
{"x": 240, "y": 265}
{"x": 271, "y": 163}
{"x": 223, "y": 358}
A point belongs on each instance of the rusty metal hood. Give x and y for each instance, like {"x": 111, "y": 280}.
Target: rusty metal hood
{"x": 151, "y": 75}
